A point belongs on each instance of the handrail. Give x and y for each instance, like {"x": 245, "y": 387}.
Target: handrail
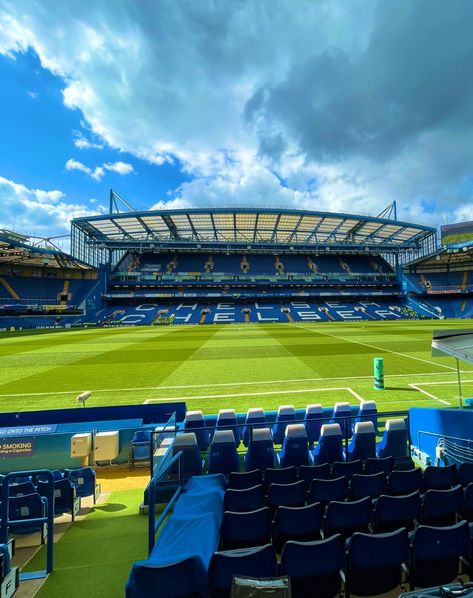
{"x": 48, "y": 519}
{"x": 156, "y": 438}
{"x": 154, "y": 525}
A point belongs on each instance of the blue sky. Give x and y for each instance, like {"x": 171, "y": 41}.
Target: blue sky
{"x": 341, "y": 106}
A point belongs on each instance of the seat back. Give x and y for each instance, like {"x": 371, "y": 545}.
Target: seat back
{"x": 83, "y": 480}
{"x": 286, "y": 415}
{"x": 367, "y": 412}
{"x": 439, "y": 478}
{"x": 255, "y": 418}
{"x": 288, "y": 495}
{"x": 245, "y": 479}
{"x": 467, "y": 506}
{"x": 345, "y": 518}
{"x": 295, "y": 449}
{"x": 330, "y": 446}
{"x": 313, "y": 565}
{"x": 346, "y": 468}
{"x": 249, "y": 562}
{"x": 375, "y": 465}
{"x": 439, "y": 507}
{"x": 24, "y": 508}
{"x": 312, "y": 422}
{"x": 191, "y": 462}
{"x": 465, "y": 474}
{"x": 435, "y": 553}
{"x": 287, "y": 475}
{"x": 249, "y": 499}
{"x": 342, "y": 415}
{"x": 394, "y": 441}
{"x": 324, "y": 491}
{"x": 242, "y": 530}
{"x": 404, "y": 482}
{"x": 141, "y": 436}
{"x": 64, "y": 494}
{"x": 393, "y": 512}
{"x": 227, "y": 420}
{"x": 223, "y": 456}
{"x": 302, "y": 524}
{"x": 260, "y": 453}
{"x": 21, "y": 489}
{"x": 195, "y": 422}
{"x": 374, "y": 562}
{"x": 363, "y": 442}
{"x": 371, "y": 485}
{"x": 312, "y": 472}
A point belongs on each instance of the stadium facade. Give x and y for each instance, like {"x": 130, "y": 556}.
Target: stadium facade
{"x": 227, "y": 265}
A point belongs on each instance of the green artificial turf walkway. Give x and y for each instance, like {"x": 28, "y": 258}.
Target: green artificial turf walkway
{"x": 95, "y": 555}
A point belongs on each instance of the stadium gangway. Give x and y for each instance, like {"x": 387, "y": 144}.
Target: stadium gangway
{"x": 450, "y": 446}
{"x": 154, "y": 525}
{"x": 48, "y": 519}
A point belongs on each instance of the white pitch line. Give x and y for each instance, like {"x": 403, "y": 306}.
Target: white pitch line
{"x": 429, "y": 394}
{"x": 437, "y": 383}
{"x": 349, "y": 340}
{"x": 218, "y": 384}
{"x": 246, "y": 394}
{"x": 356, "y": 395}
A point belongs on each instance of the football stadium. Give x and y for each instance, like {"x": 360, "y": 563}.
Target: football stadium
{"x": 199, "y": 399}
{"x": 236, "y": 299}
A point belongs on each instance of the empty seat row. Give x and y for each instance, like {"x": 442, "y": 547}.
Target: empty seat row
{"x": 371, "y": 564}
{"x": 287, "y": 517}
{"x": 255, "y": 418}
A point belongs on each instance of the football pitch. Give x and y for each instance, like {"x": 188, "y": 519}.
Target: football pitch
{"x": 231, "y": 366}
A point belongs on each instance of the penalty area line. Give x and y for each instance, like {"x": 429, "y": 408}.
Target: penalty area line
{"x": 429, "y": 394}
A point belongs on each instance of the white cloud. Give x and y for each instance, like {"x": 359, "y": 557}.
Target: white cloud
{"x": 37, "y": 211}
{"x": 33, "y": 94}
{"x": 122, "y": 168}
{"x": 83, "y": 143}
{"x": 340, "y": 106}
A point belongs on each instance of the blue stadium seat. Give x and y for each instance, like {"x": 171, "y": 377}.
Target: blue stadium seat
{"x": 435, "y": 553}
{"x": 245, "y": 479}
{"x": 24, "y": 508}
{"x": 346, "y": 518}
{"x": 22, "y": 489}
{"x": 288, "y": 475}
{"x": 342, "y": 415}
{"x": 346, "y": 468}
{"x": 302, "y": 524}
{"x": 393, "y": 512}
{"x": 242, "y": 530}
{"x": 141, "y": 446}
{"x": 465, "y": 474}
{"x": 439, "y": 478}
{"x": 83, "y": 480}
{"x": 260, "y": 453}
{"x": 313, "y": 422}
{"x": 190, "y": 462}
{"x": 248, "y": 562}
{"x": 404, "y": 482}
{"x": 295, "y": 448}
{"x": 363, "y": 443}
{"x": 241, "y": 501}
{"x": 287, "y": 495}
{"x": 64, "y": 496}
{"x": 195, "y": 422}
{"x": 371, "y": 485}
{"x": 466, "y": 508}
{"x": 374, "y": 562}
{"x": 57, "y": 473}
{"x": 227, "y": 420}
{"x": 255, "y": 418}
{"x": 439, "y": 507}
{"x": 385, "y": 464}
{"x": 286, "y": 415}
{"x": 312, "y": 472}
{"x": 394, "y": 441}
{"x": 223, "y": 456}
{"x": 367, "y": 412}
{"x": 325, "y": 491}
{"x": 330, "y": 447}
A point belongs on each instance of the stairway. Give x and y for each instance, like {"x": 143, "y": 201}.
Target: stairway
{"x": 9, "y": 288}
{"x": 65, "y": 291}
{"x": 464, "y": 280}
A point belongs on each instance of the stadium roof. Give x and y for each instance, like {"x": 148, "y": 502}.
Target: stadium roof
{"x": 18, "y": 250}
{"x": 250, "y": 226}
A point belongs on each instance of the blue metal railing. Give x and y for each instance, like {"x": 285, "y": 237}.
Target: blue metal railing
{"x": 157, "y": 438}
{"x": 154, "y": 525}
{"x": 47, "y": 519}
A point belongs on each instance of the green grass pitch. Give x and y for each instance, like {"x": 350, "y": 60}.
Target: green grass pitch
{"x": 217, "y": 366}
